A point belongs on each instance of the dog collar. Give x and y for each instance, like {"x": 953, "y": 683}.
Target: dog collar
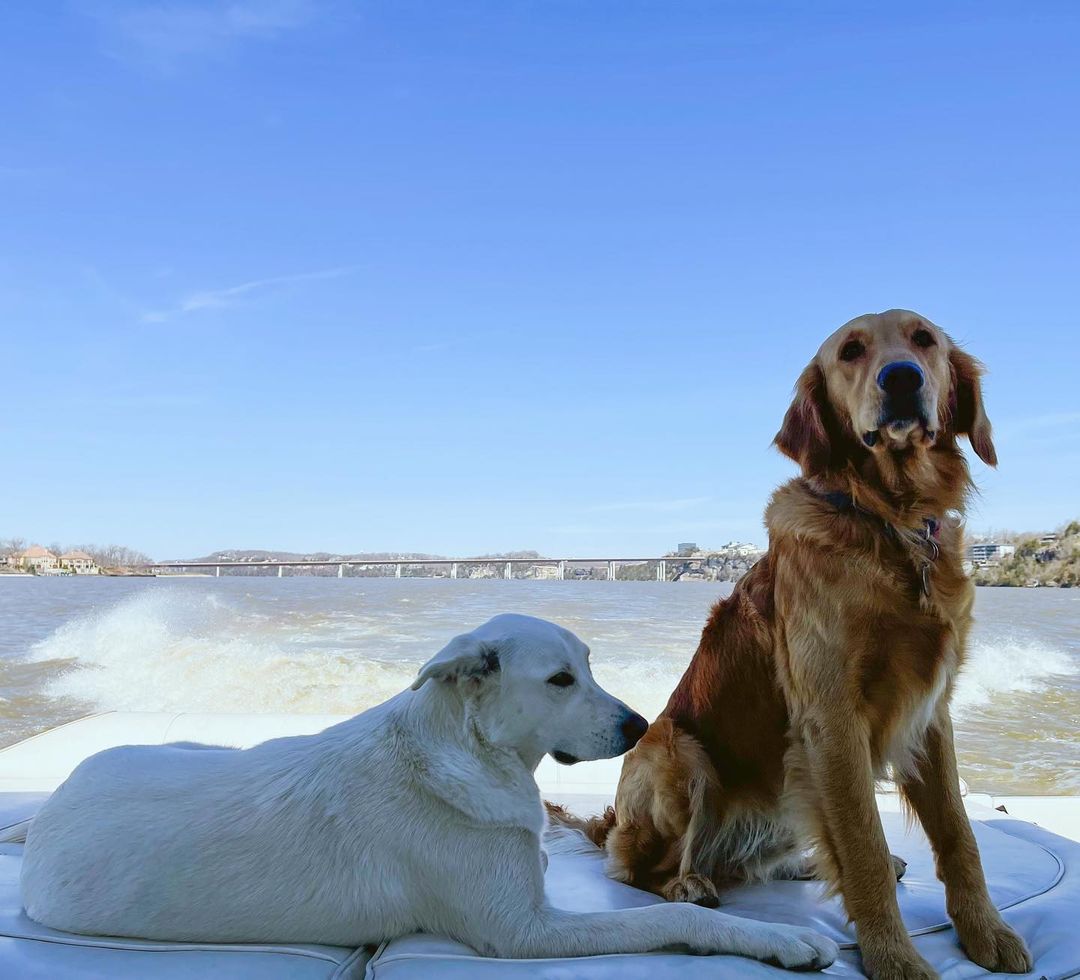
{"x": 845, "y": 503}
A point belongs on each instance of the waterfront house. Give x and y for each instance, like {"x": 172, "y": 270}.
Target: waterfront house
{"x": 39, "y": 559}
{"x": 78, "y": 563}
{"x": 989, "y": 552}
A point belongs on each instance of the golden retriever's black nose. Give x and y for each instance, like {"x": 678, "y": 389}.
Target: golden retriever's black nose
{"x": 633, "y": 727}
{"x": 900, "y": 378}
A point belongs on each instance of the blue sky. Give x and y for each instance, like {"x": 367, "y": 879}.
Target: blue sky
{"x": 471, "y": 276}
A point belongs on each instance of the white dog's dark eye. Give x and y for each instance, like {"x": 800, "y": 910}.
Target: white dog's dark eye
{"x": 852, "y": 350}
{"x": 561, "y": 679}
{"x": 923, "y": 338}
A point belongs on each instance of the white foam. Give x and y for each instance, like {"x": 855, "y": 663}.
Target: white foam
{"x": 163, "y": 651}
{"x": 1008, "y": 665}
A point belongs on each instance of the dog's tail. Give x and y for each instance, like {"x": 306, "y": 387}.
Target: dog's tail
{"x": 595, "y": 828}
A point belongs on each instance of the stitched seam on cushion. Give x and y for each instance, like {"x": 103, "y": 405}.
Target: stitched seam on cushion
{"x": 369, "y": 970}
{"x": 477, "y": 958}
{"x": 176, "y": 947}
{"x": 350, "y": 962}
{"x": 947, "y": 924}
{"x": 923, "y": 931}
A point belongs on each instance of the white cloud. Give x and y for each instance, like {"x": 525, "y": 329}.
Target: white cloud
{"x": 162, "y": 35}
{"x": 231, "y": 295}
{"x": 670, "y": 528}
{"x": 651, "y": 506}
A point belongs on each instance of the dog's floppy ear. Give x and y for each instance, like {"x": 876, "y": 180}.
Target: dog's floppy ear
{"x": 804, "y": 436}
{"x": 966, "y": 402}
{"x": 464, "y": 657}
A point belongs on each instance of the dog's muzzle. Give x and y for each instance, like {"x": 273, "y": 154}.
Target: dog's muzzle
{"x": 902, "y": 407}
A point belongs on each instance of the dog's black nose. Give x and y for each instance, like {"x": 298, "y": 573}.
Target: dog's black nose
{"x": 900, "y": 378}
{"x": 633, "y": 727}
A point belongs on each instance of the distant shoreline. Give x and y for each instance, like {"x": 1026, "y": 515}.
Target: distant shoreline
{"x": 247, "y": 574}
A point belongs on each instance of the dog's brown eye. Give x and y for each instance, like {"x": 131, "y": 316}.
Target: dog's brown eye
{"x": 852, "y": 350}
{"x": 561, "y": 679}
{"x": 923, "y": 338}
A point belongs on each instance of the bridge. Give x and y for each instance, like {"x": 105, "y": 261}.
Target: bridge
{"x": 450, "y": 566}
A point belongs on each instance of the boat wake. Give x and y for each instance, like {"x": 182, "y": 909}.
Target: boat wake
{"x": 173, "y": 650}
{"x": 170, "y": 651}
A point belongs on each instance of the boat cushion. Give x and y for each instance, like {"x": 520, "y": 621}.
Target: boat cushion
{"x": 30, "y": 951}
{"x": 1033, "y": 876}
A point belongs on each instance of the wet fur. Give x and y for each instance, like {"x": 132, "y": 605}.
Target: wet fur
{"x": 827, "y": 664}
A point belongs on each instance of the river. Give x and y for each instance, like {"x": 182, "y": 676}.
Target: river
{"x": 70, "y": 646}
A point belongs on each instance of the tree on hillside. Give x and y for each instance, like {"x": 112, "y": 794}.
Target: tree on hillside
{"x": 114, "y": 555}
{"x": 9, "y": 547}
{"x": 1038, "y": 562}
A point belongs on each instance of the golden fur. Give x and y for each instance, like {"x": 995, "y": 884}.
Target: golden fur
{"x": 834, "y": 657}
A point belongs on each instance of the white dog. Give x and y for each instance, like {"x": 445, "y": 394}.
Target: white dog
{"x": 419, "y": 815}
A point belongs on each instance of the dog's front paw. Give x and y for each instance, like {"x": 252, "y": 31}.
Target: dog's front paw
{"x": 994, "y": 946}
{"x": 696, "y": 889}
{"x": 899, "y": 866}
{"x": 895, "y": 961}
{"x": 797, "y": 949}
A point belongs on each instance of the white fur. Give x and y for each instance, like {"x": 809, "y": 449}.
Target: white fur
{"x": 420, "y": 814}
{"x": 906, "y": 745}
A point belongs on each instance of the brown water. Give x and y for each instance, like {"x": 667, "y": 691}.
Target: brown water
{"x": 69, "y": 646}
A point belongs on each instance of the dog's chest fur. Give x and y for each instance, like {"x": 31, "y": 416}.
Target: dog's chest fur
{"x": 896, "y": 612}
{"x": 907, "y": 665}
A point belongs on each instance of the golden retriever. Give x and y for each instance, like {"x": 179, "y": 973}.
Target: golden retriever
{"x": 834, "y": 657}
